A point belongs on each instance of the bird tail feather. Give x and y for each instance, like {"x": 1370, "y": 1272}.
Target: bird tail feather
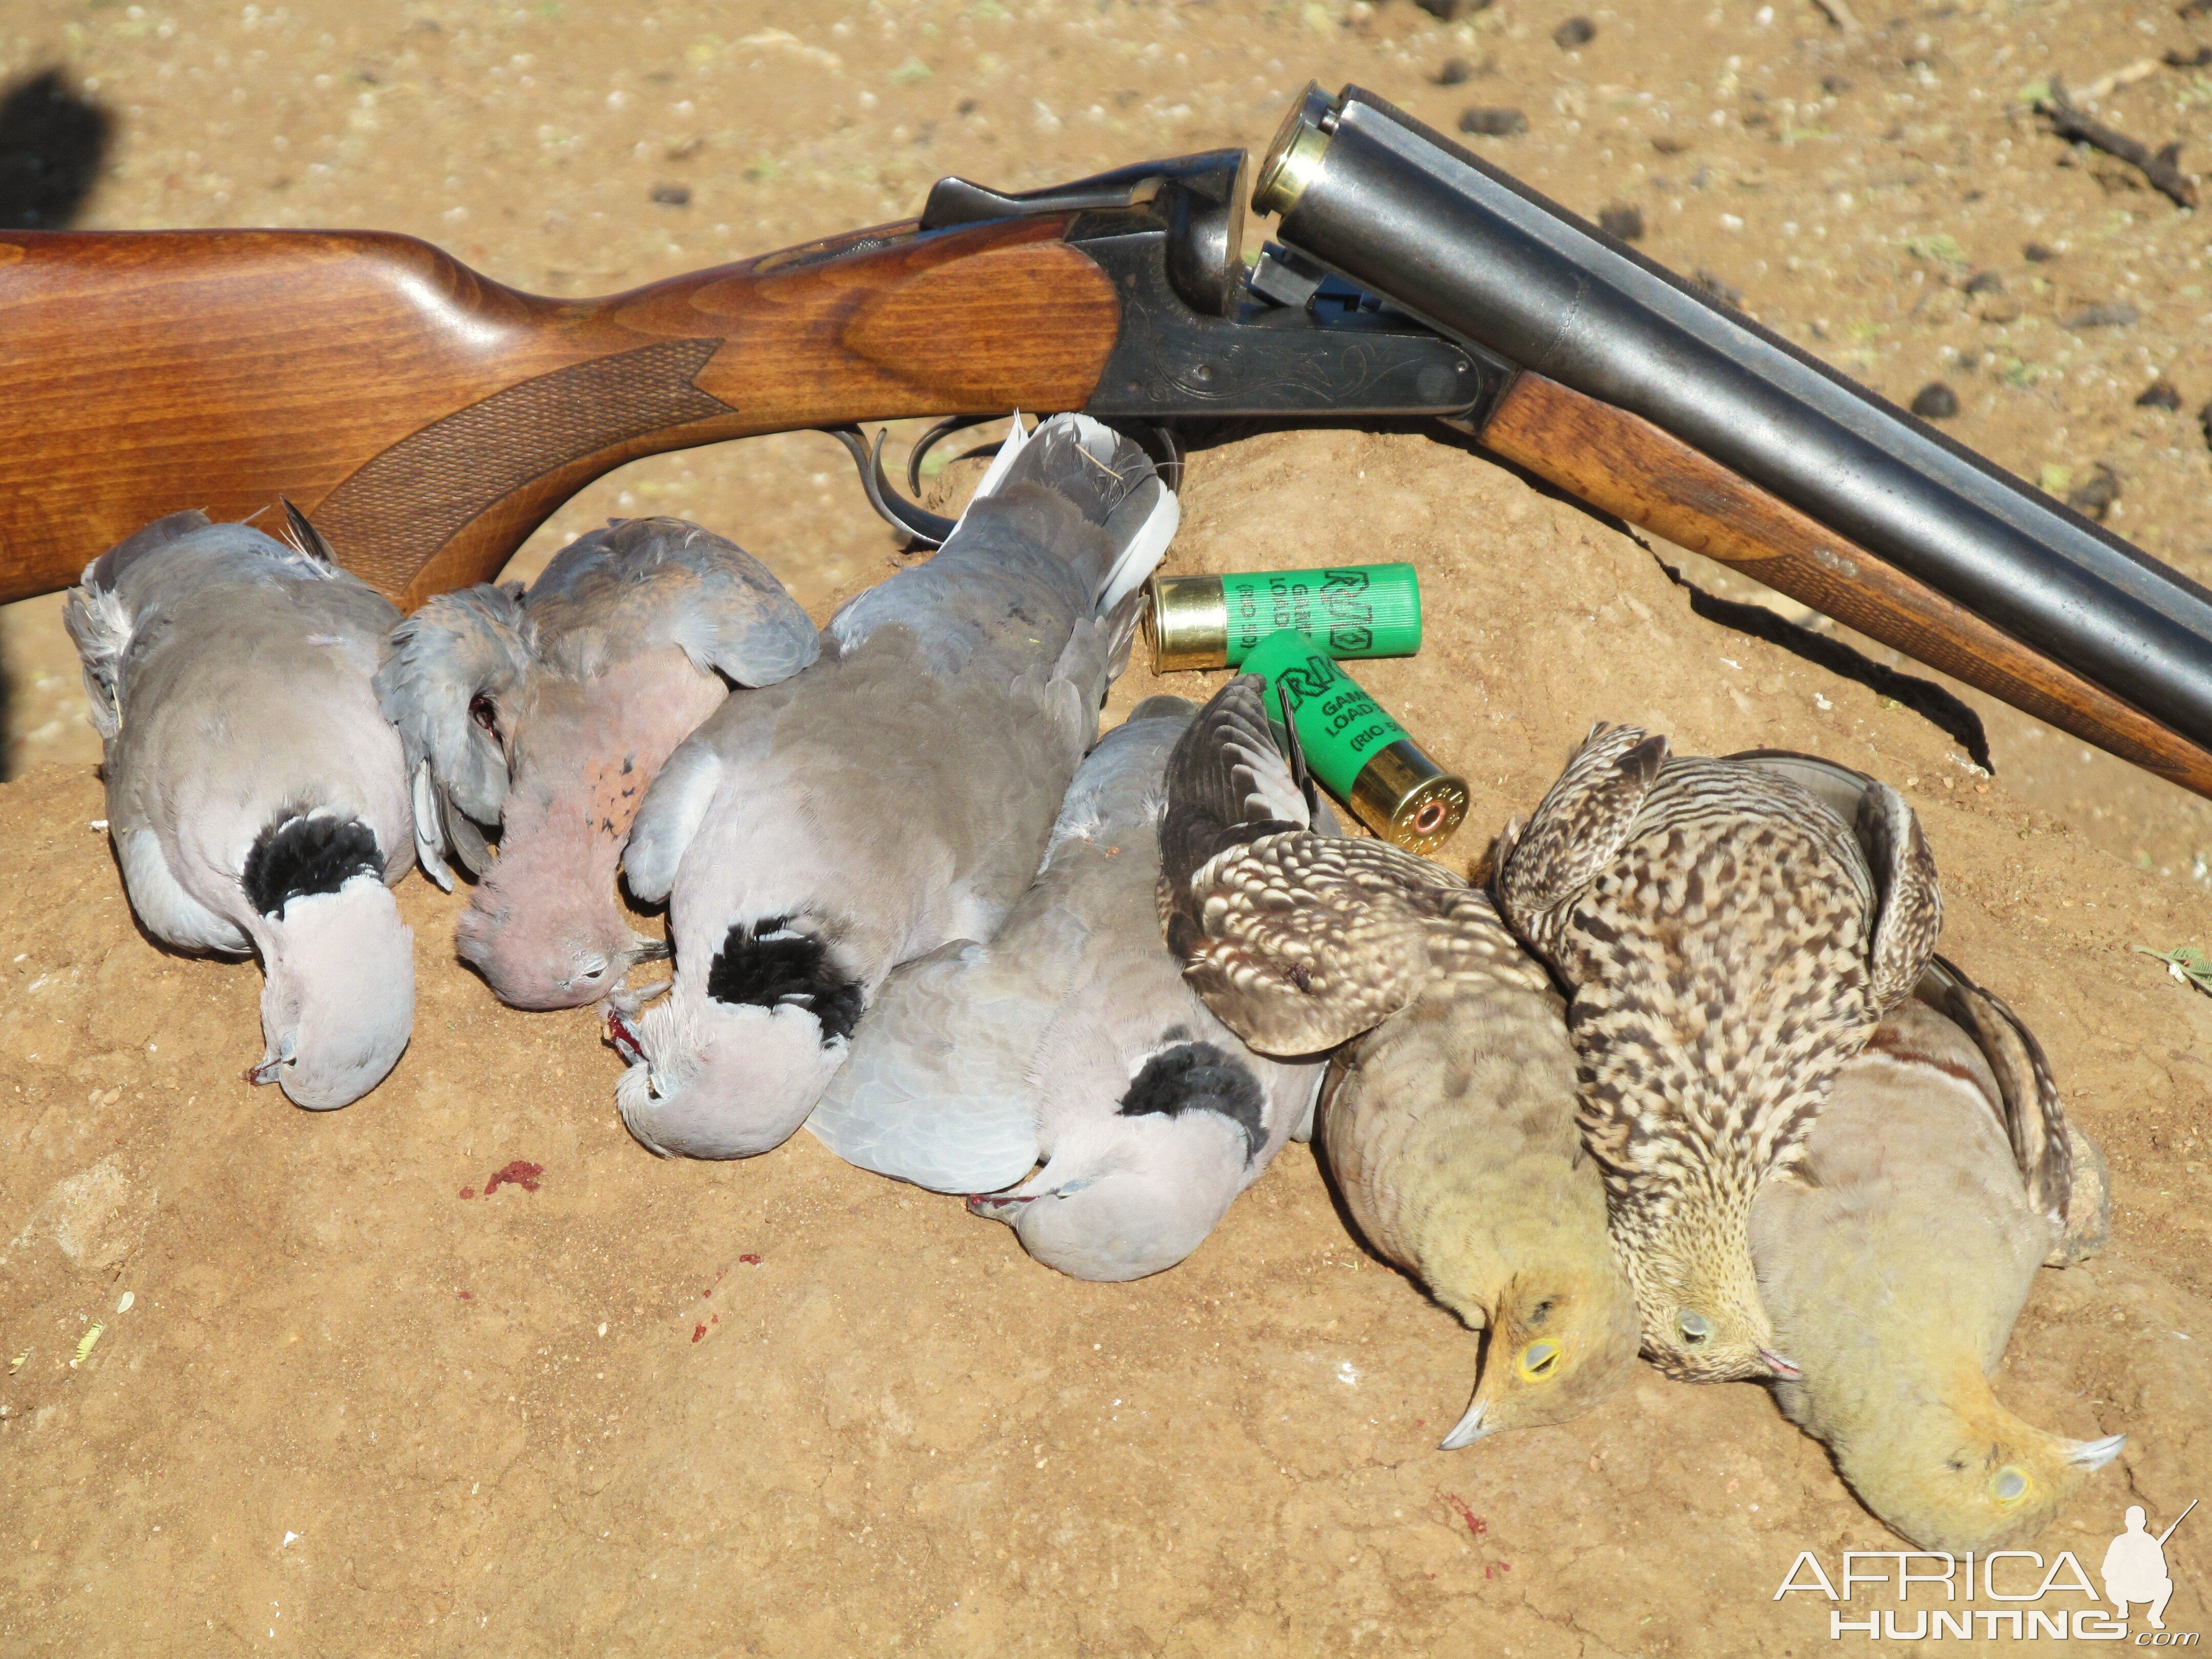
{"x": 1106, "y": 477}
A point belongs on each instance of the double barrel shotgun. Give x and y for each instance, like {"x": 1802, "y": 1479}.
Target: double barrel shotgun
{"x": 427, "y": 419}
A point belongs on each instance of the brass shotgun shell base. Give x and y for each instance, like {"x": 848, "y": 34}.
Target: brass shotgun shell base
{"x": 1295, "y": 155}
{"x": 1190, "y": 623}
{"x": 1405, "y": 797}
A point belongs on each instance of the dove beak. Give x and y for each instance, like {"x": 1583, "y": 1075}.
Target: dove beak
{"x": 624, "y": 1039}
{"x": 997, "y": 1206}
{"x": 1469, "y": 1430}
{"x": 267, "y": 1072}
{"x": 2095, "y": 1454}
{"x": 1785, "y": 1369}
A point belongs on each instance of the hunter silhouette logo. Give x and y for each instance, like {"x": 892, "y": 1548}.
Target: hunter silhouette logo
{"x": 2135, "y": 1567}
{"x": 2133, "y": 1570}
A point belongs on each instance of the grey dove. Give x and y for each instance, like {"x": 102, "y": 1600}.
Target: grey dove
{"x": 1895, "y": 1254}
{"x": 894, "y": 797}
{"x": 1449, "y": 1117}
{"x": 1071, "y": 1037}
{"x": 1730, "y": 931}
{"x": 256, "y": 799}
{"x": 548, "y": 713}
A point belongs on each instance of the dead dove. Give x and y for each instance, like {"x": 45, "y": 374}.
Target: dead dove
{"x": 256, "y": 799}
{"x": 547, "y": 714}
{"x": 894, "y": 798}
{"x": 1072, "y": 1037}
{"x": 1895, "y": 1256}
{"x": 1449, "y": 1122}
{"x": 1731, "y": 931}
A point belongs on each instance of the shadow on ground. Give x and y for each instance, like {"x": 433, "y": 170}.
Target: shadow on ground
{"x": 52, "y": 141}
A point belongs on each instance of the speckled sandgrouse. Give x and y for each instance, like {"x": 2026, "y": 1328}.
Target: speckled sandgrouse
{"x": 1731, "y": 930}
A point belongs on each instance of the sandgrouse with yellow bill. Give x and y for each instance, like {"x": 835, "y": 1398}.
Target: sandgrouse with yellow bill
{"x": 1449, "y": 1118}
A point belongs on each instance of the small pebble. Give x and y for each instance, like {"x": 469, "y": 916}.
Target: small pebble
{"x": 1575, "y": 32}
{"x": 1835, "y": 85}
{"x": 1985, "y": 282}
{"x": 2095, "y": 498}
{"x": 2037, "y": 254}
{"x": 666, "y": 195}
{"x": 2204, "y": 420}
{"x": 1492, "y": 122}
{"x": 1936, "y": 402}
{"x": 1666, "y": 144}
{"x": 1450, "y": 11}
{"x": 1456, "y": 71}
{"x": 2161, "y": 393}
{"x": 2118, "y": 315}
{"x": 2196, "y": 59}
{"x": 1622, "y": 221}
{"x": 2001, "y": 308}
{"x": 1720, "y": 290}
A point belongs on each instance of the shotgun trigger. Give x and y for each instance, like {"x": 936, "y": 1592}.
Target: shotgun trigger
{"x": 929, "y": 441}
{"x": 895, "y": 509}
{"x": 1162, "y": 445}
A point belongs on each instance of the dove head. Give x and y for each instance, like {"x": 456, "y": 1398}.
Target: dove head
{"x": 732, "y": 1068}
{"x": 1132, "y": 1191}
{"x": 339, "y": 1003}
{"x": 1562, "y": 1336}
{"x": 545, "y": 926}
{"x": 1946, "y": 1467}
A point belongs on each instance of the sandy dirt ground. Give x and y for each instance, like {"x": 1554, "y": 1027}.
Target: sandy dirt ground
{"x": 462, "y": 1368}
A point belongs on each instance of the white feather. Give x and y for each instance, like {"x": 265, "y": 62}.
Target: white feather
{"x": 1144, "y": 552}
{"x": 995, "y": 475}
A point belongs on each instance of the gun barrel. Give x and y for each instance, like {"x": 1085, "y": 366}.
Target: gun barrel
{"x": 1408, "y": 214}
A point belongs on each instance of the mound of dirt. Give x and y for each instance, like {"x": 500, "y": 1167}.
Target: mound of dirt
{"x": 366, "y": 1398}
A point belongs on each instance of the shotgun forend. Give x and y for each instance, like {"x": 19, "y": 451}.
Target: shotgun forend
{"x": 1372, "y": 194}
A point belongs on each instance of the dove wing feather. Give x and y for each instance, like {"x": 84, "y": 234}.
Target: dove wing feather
{"x": 669, "y": 817}
{"x": 936, "y": 1091}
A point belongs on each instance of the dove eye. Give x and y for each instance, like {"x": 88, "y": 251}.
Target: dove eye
{"x": 482, "y": 711}
{"x": 1538, "y": 1360}
{"x": 2009, "y": 1485}
{"x": 1694, "y": 1327}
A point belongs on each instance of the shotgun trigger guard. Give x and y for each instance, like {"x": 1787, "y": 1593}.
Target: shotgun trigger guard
{"x": 925, "y": 526}
{"x": 1160, "y": 444}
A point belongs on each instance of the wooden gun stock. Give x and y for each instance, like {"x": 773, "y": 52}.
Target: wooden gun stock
{"x": 429, "y": 419}
{"x": 1623, "y": 463}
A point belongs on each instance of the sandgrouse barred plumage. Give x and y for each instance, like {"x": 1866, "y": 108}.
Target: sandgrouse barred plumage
{"x": 1895, "y": 1254}
{"x": 1449, "y": 1120}
{"x": 1731, "y": 930}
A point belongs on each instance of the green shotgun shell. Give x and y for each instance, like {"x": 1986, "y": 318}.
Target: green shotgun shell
{"x": 1349, "y": 610}
{"x": 1360, "y": 754}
